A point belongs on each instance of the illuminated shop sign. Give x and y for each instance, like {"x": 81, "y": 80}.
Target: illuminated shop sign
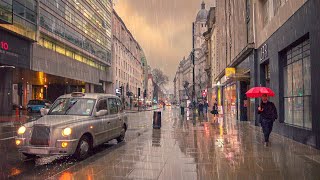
{"x": 4, "y": 45}
{"x": 14, "y": 50}
{"x": 4, "y": 49}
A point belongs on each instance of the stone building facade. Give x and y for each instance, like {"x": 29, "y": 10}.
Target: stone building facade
{"x": 268, "y": 43}
{"x": 129, "y": 62}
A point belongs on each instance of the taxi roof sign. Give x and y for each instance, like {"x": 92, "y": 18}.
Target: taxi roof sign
{"x": 77, "y": 94}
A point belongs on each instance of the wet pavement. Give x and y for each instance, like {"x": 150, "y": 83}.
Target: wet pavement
{"x": 182, "y": 149}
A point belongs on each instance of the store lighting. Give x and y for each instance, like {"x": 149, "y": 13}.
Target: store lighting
{"x": 7, "y": 67}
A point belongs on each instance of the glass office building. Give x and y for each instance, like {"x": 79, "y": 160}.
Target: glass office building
{"x": 77, "y": 34}
{"x": 53, "y": 47}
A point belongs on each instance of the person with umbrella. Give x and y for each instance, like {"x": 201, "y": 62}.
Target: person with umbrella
{"x": 268, "y": 114}
{"x": 267, "y": 110}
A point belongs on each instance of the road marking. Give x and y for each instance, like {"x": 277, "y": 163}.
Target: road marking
{"x": 7, "y": 138}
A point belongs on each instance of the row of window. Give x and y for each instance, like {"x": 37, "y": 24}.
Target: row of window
{"x": 297, "y": 86}
{"x": 70, "y": 53}
{"x": 82, "y": 17}
{"x": 65, "y": 31}
{"x": 115, "y": 105}
{"x": 125, "y": 76}
{"x": 98, "y": 15}
{"x": 128, "y": 67}
{"x": 120, "y": 49}
{"x": 125, "y": 38}
{"x": 6, "y": 11}
{"x": 25, "y": 9}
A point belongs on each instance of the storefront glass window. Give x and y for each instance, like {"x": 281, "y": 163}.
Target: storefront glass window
{"x": 60, "y": 50}
{"x": 307, "y": 114}
{"x": 78, "y": 57}
{"x": 307, "y": 75}
{"x": 297, "y": 86}
{"x": 288, "y": 110}
{"x": 69, "y": 53}
{"x": 297, "y": 78}
{"x": 48, "y": 44}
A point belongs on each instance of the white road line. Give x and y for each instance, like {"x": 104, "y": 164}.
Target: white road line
{"x": 7, "y": 138}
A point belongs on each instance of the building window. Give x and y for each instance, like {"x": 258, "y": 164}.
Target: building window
{"x": 297, "y": 86}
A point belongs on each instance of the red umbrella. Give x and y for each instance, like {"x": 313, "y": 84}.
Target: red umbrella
{"x": 259, "y": 91}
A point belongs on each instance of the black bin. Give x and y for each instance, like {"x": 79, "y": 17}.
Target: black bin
{"x": 156, "y": 119}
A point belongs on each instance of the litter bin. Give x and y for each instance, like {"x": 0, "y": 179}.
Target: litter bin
{"x": 156, "y": 119}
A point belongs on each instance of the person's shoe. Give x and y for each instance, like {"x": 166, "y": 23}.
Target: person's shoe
{"x": 266, "y": 144}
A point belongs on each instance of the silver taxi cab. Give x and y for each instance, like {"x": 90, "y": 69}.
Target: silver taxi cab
{"x": 74, "y": 125}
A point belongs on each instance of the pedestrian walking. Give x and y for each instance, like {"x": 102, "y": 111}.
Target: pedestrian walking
{"x": 182, "y": 106}
{"x": 206, "y": 105}
{"x": 215, "y": 109}
{"x": 200, "y": 109}
{"x": 268, "y": 114}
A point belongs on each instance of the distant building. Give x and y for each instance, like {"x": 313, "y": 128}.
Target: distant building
{"x": 129, "y": 62}
{"x": 183, "y": 82}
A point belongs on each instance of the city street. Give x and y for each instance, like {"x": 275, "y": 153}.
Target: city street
{"x": 182, "y": 149}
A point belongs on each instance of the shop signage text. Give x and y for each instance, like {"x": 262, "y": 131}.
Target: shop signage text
{"x": 4, "y": 45}
{"x": 264, "y": 52}
{"x": 4, "y": 49}
{"x": 230, "y": 71}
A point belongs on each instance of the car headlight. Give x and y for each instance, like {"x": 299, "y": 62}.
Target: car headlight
{"x": 66, "y": 132}
{"x": 21, "y": 130}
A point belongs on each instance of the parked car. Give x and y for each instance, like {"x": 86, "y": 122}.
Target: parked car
{"x": 74, "y": 125}
{"x": 36, "y": 105}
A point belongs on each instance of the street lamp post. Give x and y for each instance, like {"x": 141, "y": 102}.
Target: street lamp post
{"x": 193, "y": 76}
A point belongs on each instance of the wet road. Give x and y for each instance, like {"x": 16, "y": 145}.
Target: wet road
{"x": 14, "y": 165}
{"x": 181, "y": 149}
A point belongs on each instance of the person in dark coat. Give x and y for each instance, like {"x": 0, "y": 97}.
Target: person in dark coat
{"x": 215, "y": 109}
{"x": 268, "y": 114}
{"x": 205, "y": 106}
{"x": 200, "y": 109}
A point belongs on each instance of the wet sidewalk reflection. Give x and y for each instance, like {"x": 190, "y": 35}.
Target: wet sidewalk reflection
{"x": 209, "y": 148}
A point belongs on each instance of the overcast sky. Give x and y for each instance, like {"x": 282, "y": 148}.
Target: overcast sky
{"x": 163, "y": 28}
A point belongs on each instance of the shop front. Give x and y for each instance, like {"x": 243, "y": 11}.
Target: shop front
{"x": 290, "y": 68}
{"x": 230, "y": 97}
{"x": 14, "y": 55}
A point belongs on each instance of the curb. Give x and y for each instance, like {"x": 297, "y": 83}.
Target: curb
{"x": 142, "y": 110}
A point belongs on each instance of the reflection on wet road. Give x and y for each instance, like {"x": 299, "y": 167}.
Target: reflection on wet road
{"x": 182, "y": 149}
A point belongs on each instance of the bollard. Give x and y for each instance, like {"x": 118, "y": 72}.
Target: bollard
{"x": 17, "y": 111}
{"x": 156, "y": 119}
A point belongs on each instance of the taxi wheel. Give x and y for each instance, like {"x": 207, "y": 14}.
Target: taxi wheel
{"x": 122, "y": 134}
{"x": 30, "y": 156}
{"x": 83, "y": 148}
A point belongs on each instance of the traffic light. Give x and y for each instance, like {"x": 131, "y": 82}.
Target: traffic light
{"x": 204, "y": 93}
{"x": 138, "y": 92}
